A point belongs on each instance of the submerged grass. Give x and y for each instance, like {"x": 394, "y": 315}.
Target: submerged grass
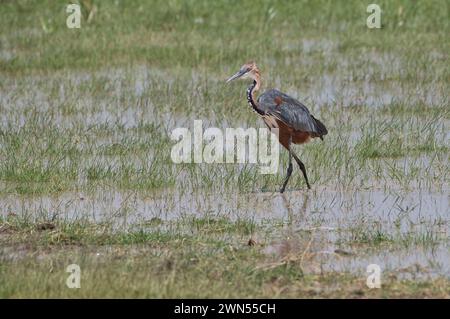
{"x": 91, "y": 109}
{"x": 165, "y": 262}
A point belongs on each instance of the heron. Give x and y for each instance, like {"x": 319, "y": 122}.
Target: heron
{"x": 292, "y": 120}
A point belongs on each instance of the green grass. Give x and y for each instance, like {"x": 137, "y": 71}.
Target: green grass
{"x": 183, "y": 260}
{"x": 148, "y": 274}
{"x": 88, "y": 112}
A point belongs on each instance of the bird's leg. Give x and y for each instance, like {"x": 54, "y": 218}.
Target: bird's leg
{"x": 302, "y": 168}
{"x": 289, "y": 170}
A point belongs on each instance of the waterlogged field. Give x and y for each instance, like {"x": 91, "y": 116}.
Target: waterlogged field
{"x": 86, "y": 175}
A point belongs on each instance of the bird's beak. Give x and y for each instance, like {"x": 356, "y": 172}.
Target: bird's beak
{"x": 237, "y": 75}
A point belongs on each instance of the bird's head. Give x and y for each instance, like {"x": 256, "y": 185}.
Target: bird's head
{"x": 247, "y": 71}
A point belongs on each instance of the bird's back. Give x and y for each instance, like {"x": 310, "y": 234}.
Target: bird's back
{"x": 291, "y": 112}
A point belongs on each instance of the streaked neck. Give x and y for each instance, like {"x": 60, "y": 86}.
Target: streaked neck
{"x": 251, "y": 95}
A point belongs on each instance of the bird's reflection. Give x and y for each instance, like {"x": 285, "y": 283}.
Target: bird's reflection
{"x": 288, "y": 204}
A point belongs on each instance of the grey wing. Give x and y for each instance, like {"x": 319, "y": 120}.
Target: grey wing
{"x": 288, "y": 110}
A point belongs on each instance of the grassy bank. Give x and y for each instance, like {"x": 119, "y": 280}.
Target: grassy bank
{"x": 85, "y": 170}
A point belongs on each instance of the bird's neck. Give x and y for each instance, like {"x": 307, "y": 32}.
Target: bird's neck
{"x": 251, "y": 96}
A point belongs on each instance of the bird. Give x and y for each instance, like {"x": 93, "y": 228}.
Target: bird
{"x": 292, "y": 120}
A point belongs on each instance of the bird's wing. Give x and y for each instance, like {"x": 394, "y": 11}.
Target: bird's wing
{"x": 288, "y": 110}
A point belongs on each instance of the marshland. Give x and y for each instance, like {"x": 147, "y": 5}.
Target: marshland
{"x": 86, "y": 175}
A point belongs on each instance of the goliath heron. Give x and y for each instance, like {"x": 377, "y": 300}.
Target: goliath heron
{"x": 280, "y": 111}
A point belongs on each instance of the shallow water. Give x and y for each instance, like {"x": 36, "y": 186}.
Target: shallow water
{"x": 332, "y": 206}
{"x": 328, "y": 218}
{"x": 322, "y": 256}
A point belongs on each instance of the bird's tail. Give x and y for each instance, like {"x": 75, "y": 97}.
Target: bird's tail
{"x": 321, "y": 129}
